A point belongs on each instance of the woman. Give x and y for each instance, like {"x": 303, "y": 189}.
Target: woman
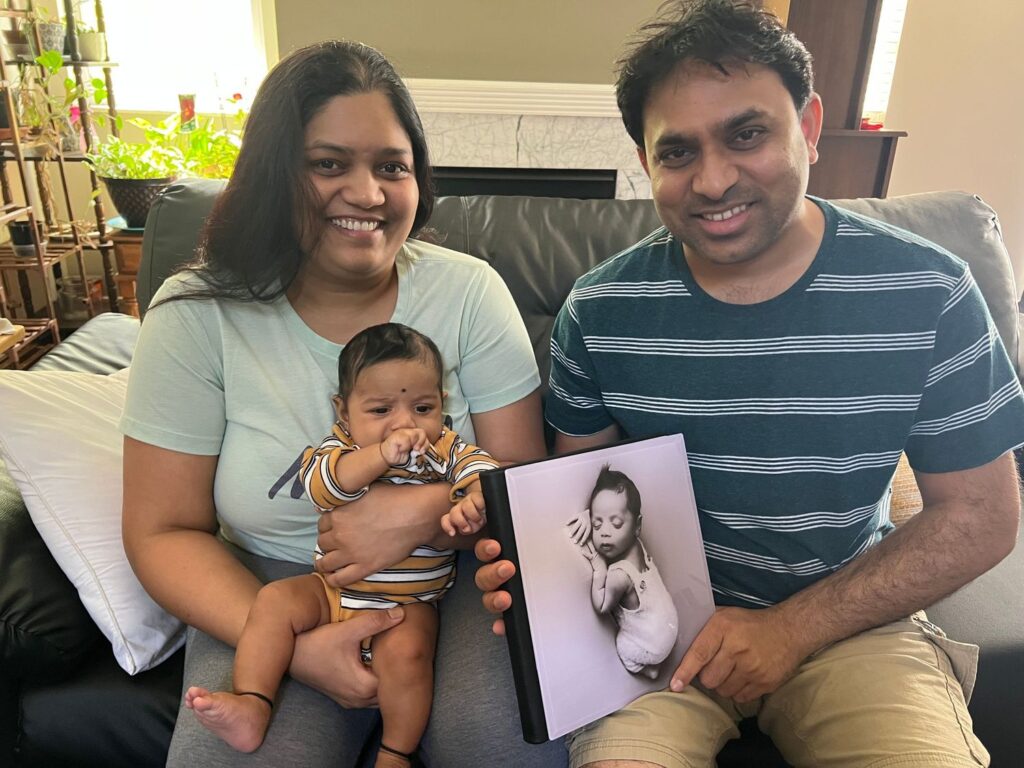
{"x": 231, "y": 381}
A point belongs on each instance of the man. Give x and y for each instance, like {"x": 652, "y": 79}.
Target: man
{"x": 800, "y": 349}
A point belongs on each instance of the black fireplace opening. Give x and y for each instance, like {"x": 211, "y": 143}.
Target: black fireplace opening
{"x": 536, "y": 182}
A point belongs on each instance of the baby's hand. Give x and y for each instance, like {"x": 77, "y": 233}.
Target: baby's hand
{"x": 396, "y": 447}
{"x": 579, "y": 528}
{"x": 466, "y": 516}
{"x": 588, "y": 551}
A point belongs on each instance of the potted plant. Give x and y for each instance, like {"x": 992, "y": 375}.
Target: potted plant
{"x": 47, "y": 114}
{"x": 51, "y": 33}
{"x": 134, "y": 174}
{"x": 21, "y": 238}
{"x": 92, "y": 45}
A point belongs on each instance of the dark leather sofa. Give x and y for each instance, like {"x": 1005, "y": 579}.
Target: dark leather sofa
{"x": 64, "y": 701}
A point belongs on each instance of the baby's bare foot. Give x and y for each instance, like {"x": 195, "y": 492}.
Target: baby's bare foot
{"x": 241, "y": 721}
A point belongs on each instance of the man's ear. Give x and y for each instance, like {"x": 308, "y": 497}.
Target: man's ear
{"x": 642, "y": 154}
{"x": 810, "y": 126}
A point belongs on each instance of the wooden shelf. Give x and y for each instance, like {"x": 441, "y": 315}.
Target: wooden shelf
{"x": 27, "y": 152}
{"x": 840, "y": 35}
{"x": 860, "y": 133}
{"x": 12, "y": 211}
{"x": 10, "y": 340}
{"x": 30, "y": 348}
{"x": 68, "y": 61}
{"x": 55, "y": 253}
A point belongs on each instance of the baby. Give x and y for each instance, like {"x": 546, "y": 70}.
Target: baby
{"x": 391, "y": 428}
{"x": 626, "y": 582}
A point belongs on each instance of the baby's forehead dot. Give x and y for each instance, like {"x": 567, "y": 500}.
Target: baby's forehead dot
{"x": 403, "y": 389}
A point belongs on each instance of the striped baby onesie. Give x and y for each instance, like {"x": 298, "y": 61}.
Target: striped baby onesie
{"x": 427, "y": 573}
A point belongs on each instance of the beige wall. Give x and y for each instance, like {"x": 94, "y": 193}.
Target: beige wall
{"x": 779, "y": 7}
{"x": 571, "y": 41}
{"x": 957, "y": 91}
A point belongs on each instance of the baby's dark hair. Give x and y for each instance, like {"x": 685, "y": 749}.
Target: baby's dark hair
{"x": 380, "y": 343}
{"x": 612, "y": 480}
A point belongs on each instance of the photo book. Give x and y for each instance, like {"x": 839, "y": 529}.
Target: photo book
{"x": 611, "y": 583}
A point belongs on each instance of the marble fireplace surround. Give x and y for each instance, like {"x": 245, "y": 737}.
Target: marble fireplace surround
{"x": 491, "y": 124}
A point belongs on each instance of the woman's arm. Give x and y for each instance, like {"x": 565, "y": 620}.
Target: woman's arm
{"x": 170, "y": 541}
{"x": 359, "y": 540}
{"x": 169, "y": 526}
{"x": 514, "y": 433}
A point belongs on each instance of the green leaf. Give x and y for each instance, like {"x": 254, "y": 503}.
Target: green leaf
{"x": 51, "y": 60}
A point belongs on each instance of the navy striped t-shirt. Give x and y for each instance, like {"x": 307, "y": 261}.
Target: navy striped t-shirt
{"x": 795, "y": 410}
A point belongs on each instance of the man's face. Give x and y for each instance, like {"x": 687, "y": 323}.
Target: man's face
{"x": 728, "y": 156}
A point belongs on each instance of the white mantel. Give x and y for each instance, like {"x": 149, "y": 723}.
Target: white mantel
{"x": 487, "y": 124}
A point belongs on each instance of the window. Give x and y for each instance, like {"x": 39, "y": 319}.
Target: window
{"x": 883, "y": 60}
{"x": 210, "y": 48}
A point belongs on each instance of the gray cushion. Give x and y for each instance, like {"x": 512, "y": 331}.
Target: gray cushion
{"x": 964, "y": 225}
{"x": 173, "y": 226}
{"x": 539, "y": 245}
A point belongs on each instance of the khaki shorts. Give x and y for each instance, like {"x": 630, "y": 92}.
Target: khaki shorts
{"x": 894, "y": 695}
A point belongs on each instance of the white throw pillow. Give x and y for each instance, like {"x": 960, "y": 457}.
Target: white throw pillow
{"x": 60, "y": 440}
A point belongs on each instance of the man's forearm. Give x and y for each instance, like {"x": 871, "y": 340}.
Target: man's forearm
{"x": 932, "y": 555}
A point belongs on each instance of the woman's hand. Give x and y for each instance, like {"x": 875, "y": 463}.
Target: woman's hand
{"x": 379, "y": 530}
{"x": 327, "y": 658}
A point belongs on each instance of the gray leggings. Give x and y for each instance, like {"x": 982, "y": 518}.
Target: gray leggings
{"x": 475, "y": 720}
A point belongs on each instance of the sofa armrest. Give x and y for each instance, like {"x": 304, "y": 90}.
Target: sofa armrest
{"x": 45, "y": 631}
{"x": 990, "y": 613}
{"x": 103, "y": 345}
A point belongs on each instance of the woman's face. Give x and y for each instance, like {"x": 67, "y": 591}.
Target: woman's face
{"x": 360, "y": 162}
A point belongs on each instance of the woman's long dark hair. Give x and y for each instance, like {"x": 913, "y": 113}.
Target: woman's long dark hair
{"x": 249, "y": 249}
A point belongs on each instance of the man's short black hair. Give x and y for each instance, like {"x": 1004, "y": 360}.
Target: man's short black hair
{"x": 721, "y": 33}
{"x": 380, "y": 343}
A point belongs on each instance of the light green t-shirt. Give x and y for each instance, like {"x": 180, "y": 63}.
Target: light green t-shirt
{"x": 252, "y": 383}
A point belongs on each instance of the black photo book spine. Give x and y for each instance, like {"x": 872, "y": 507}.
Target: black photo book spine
{"x": 517, "y": 625}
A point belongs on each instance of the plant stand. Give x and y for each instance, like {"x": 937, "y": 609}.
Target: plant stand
{"x": 28, "y": 275}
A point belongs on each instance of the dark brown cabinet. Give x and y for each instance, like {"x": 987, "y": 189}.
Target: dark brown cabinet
{"x": 840, "y": 34}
